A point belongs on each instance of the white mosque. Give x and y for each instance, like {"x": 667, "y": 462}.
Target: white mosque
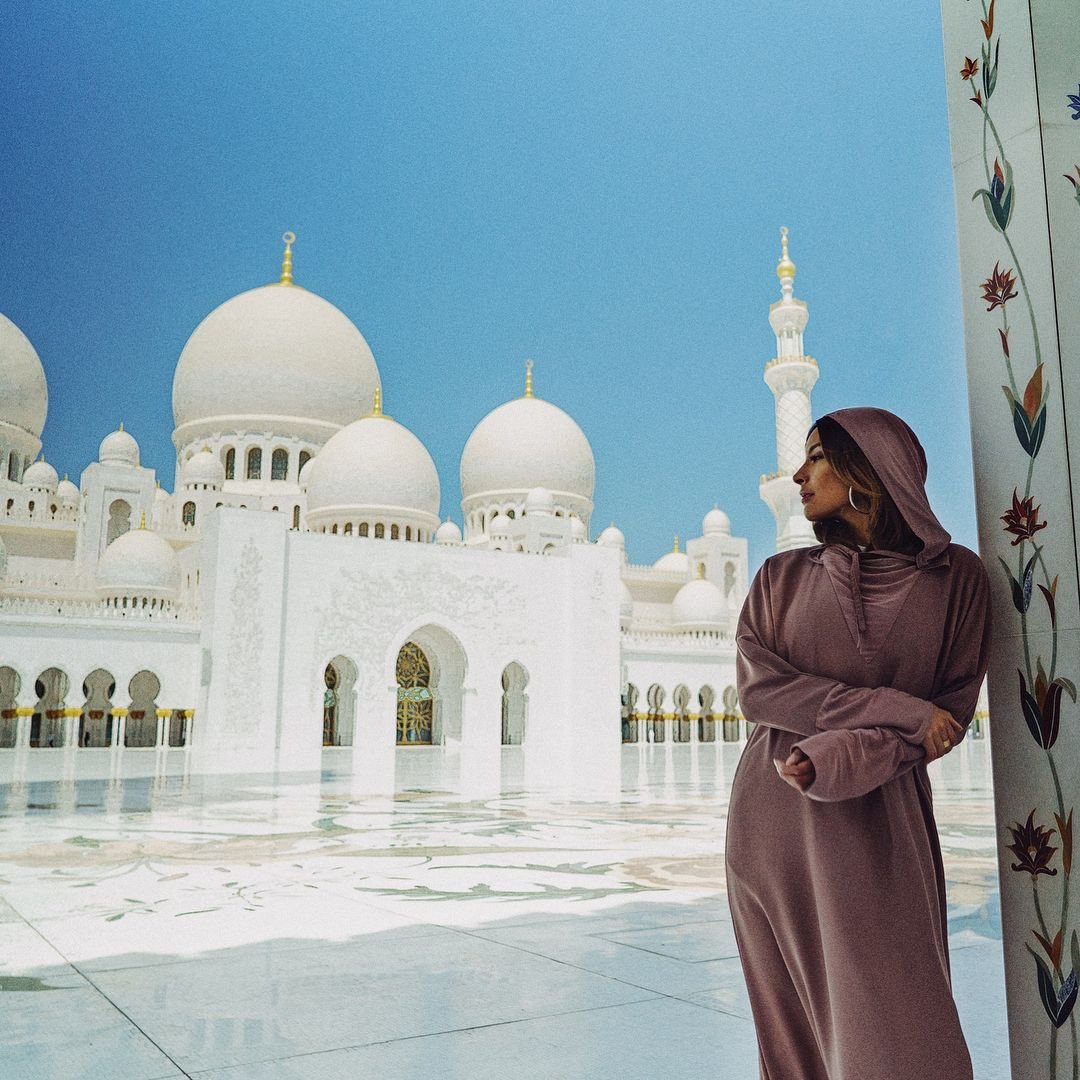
{"x": 297, "y": 598}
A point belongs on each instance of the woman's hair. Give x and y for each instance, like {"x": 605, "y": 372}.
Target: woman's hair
{"x": 888, "y": 529}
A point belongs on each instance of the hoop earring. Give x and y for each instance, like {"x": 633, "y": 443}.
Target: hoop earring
{"x": 851, "y": 500}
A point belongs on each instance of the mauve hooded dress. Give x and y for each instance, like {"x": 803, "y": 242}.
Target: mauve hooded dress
{"x": 838, "y": 894}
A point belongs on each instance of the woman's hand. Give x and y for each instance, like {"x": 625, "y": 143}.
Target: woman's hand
{"x": 943, "y": 735}
{"x": 798, "y": 770}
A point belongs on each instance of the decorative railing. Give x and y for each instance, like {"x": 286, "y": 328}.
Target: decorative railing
{"x": 79, "y": 608}
{"x": 678, "y": 640}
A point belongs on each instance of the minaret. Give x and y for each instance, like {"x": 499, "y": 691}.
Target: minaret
{"x": 790, "y": 376}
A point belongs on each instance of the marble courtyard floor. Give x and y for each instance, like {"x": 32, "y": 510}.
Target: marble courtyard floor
{"x": 237, "y": 928}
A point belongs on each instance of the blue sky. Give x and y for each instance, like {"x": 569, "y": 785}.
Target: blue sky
{"x": 594, "y": 185}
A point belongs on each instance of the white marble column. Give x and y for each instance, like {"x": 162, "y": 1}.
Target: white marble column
{"x": 1012, "y": 73}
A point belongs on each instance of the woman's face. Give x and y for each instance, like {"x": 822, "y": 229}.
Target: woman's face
{"x": 824, "y": 494}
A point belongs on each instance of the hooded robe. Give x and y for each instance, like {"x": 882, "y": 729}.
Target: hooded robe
{"x": 838, "y": 894}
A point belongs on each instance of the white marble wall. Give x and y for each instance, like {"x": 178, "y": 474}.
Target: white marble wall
{"x": 1011, "y": 70}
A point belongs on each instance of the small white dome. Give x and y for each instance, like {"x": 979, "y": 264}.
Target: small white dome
{"x": 716, "y": 523}
{"x": 673, "y": 561}
{"x": 277, "y": 351}
{"x": 528, "y": 443}
{"x": 41, "y": 476}
{"x": 699, "y": 605}
{"x": 500, "y": 525}
{"x": 119, "y": 448}
{"x": 539, "y": 501}
{"x": 448, "y": 533}
{"x": 139, "y": 563}
{"x": 305, "y": 474}
{"x": 67, "y": 493}
{"x": 626, "y": 605}
{"x": 612, "y": 536}
{"x": 203, "y": 468}
{"x": 373, "y": 466}
{"x": 578, "y": 533}
{"x": 24, "y": 397}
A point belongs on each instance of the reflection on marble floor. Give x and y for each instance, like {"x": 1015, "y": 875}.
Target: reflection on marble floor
{"x": 225, "y": 927}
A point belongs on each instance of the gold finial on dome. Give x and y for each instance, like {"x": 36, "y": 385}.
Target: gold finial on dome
{"x": 675, "y": 546}
{"x": 528, "y": 378}
{"x": 376, "y": 404}
{"x": 785, "y": 268}
{"x": 121, "y": 428}
{"x": 142, "y": 520}
{"x": 286, "y": 261}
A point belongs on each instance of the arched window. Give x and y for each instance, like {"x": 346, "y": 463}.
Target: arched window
{"x": 305, "y": 457}
{"x": 380, "y": 530}
{"x": 348, "y": 528}
{"x": 230, "y": 464}
{"x": 119, "y": 520}
{"x": 363, "y": 528}
{"x": 395, "y": 533}
{"x": 408, "y": 532}
{"x": 511, "y": 514}
{"x": 13, "y": 466}
{"x": 189, "y": 513}
{"x": 254, "y": 463}
{"x": 333, "y": 528}
{"x": 279, "y": 464}
{"x": 30, "y": 506}
{"x": 296, "y": 517}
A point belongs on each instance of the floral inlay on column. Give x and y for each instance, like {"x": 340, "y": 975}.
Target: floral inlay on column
{"x": 1054, "y": 945}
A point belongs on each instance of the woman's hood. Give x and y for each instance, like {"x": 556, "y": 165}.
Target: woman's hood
{"x": 899, "y": 460}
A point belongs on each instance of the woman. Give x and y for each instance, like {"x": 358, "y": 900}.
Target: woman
{"x": 860, "y": 660}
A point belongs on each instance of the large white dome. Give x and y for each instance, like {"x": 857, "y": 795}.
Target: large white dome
{"x": 279, "y": 353}
{"x": 525, "y": 444}
{"x": 139, "y": 564}
{"x": 373, "y": 467}
{"x": 24, "y": 397}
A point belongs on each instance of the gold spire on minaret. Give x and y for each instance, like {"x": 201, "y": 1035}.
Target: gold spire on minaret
{"x": 701, "y": 571}
{"x": 785, "y": 268}
{"x": 286, "y": 261}
{"x": 528, "y": 378}
{"x": 142, "y": 520}
{"x": 675, "y": 546}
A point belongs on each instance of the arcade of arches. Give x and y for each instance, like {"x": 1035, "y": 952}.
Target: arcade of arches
{"x": 94, "y": 718}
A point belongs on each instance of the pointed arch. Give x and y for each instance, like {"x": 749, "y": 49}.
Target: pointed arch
{"x": 630, "y": 733}
{"x": 448, "y": 666}
{"x": 515, "y": 703}
{"x": 96, "y": 715}
{"x": 339, "y": 701}
{"x": 10, "y": 684}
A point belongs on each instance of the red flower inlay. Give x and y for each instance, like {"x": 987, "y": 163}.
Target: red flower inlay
{"x": 998, "y": 288}
{"x": 1031, "y": 845}
{"x": 1022, "y": 518}
{"x": 970, "y": 68}
{"x": 977, "y": 98}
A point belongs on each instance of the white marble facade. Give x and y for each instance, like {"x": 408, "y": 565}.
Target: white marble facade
{"x": 303, "y": 543}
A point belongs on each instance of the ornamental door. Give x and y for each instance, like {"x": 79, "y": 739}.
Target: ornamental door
{"x": 414, "y": 699}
